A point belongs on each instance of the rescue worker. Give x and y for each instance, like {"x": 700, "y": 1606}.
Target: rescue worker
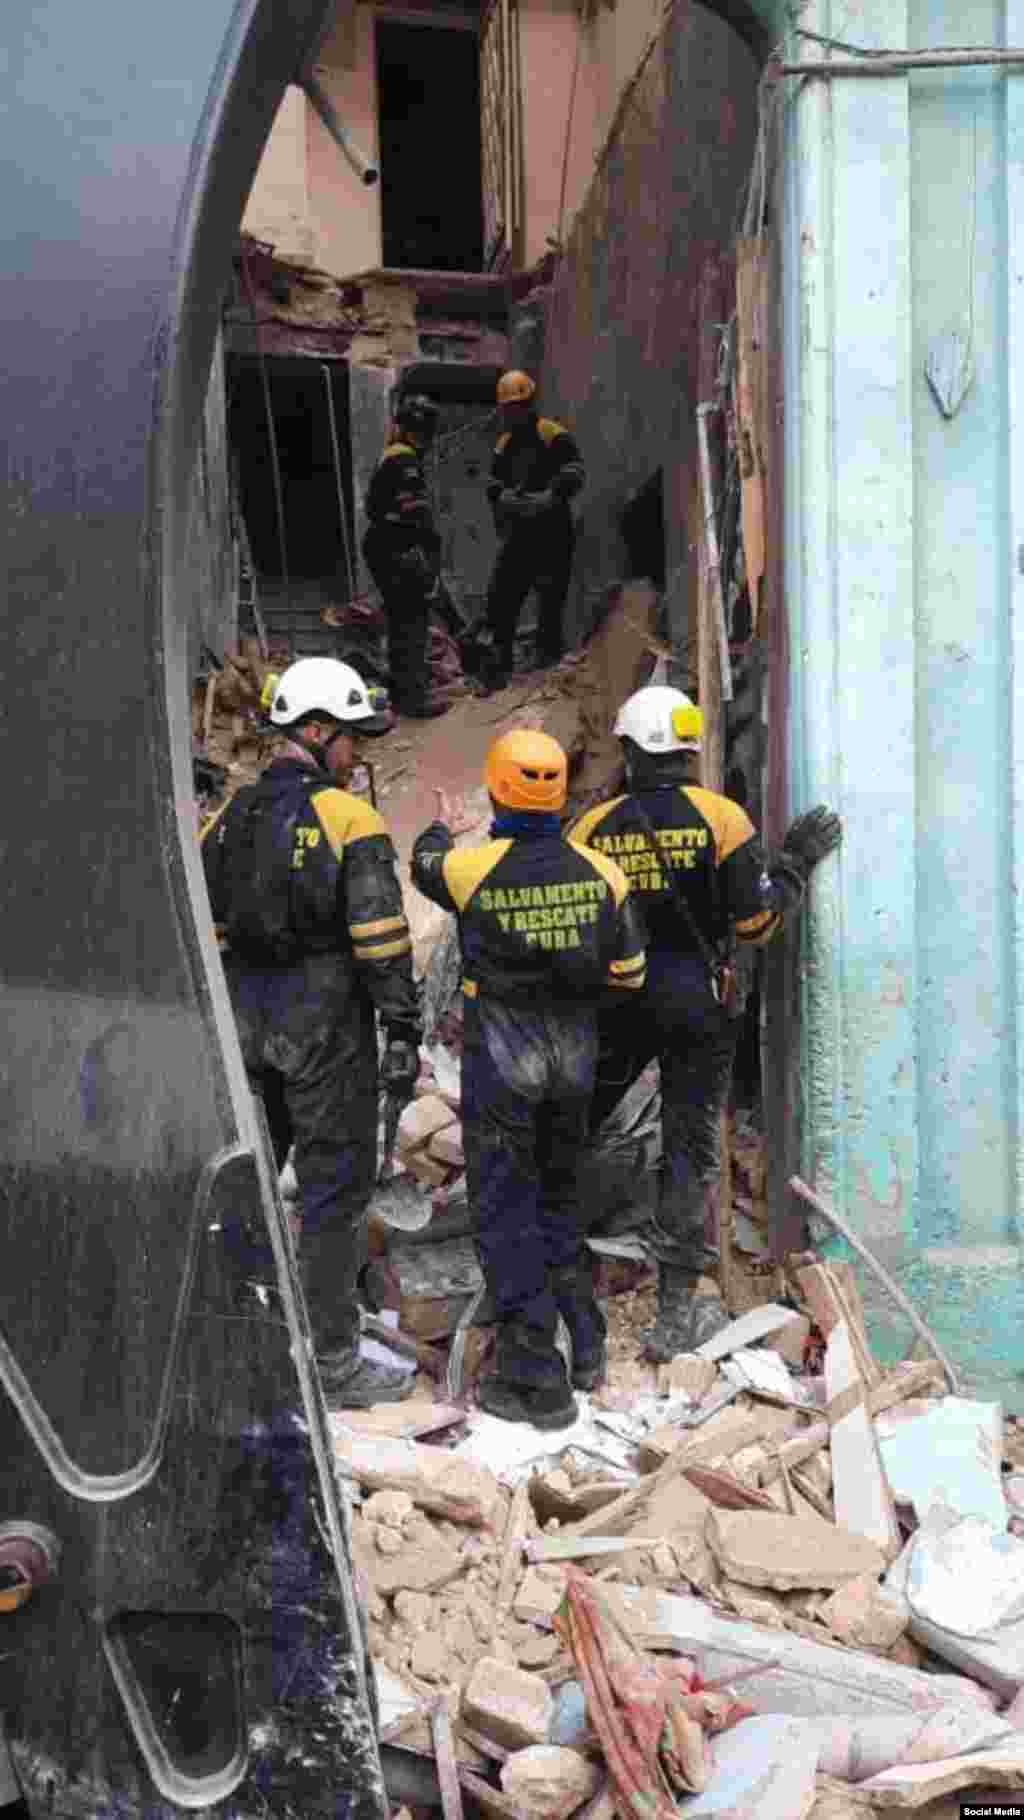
{"x": 402, "y": 548}
{"x": 537, "y": 469}
{"x": 304, "y": 888}
{"x": 546, "y": 927}
{"x": 694, "y": 860}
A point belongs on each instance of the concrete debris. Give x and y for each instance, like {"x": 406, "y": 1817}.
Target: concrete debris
{"x": 911, "y": 1785}
{"x": 687, "y": 1372}
{"x": 434, "y": 1479}
{"x": 549, "y": 1782}
{"x": 943, "y": 1610}
{"x": 863, "y": 1502}
{"x": 761, "y": 1548}
{"x": 795, "y": 1676}
{"x": 952, "y": 1456}
{"x": 507, "y": 1704}
{"x": 765, "y": 1374}
{"x": 758, "y": 1324}
{"x": 864, "y": 1615}
{"x": 855, "y": 1750}
{"x": 763, "y": 1767}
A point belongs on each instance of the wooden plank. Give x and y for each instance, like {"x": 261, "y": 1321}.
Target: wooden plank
{"x": 824, "y": 1296}
{"x": 860, "y": 1490}
{"x": 444, "y": 1754}
{"x": 726, "y": 1491}
{"x": 750, "y": 410}
{"x": 573, "y": 1548}
{"x": 511, "y": 1553}
{"x": 844, "y": 1282}
{"x": 896, "y": 1388}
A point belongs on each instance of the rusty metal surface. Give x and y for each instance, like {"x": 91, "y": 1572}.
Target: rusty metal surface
{"x": 157, "y": 1408}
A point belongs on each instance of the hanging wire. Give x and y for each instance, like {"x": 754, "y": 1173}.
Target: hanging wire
{"x": 275, "y": 463}
{"x": 342, "y": 514}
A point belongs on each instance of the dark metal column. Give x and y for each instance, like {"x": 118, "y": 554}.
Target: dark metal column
{"x": 200, "y": 1648}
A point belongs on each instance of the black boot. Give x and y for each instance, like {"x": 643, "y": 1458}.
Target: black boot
{"x": 529, "y": 1383}
{"x": 573, "y": 1290}
{"x": 689, "y": 1313}
{"x": 355, "y": 1383}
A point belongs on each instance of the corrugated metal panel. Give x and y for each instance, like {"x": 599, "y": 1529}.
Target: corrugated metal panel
{"x": 904, "y": 587}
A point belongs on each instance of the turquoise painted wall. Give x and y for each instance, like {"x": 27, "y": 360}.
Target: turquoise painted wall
{"x": 905, "y": 570}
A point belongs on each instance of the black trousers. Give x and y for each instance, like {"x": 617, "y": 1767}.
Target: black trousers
{"x": 532, "y": 556}
{"x": 405, "y": 579}
{"x": 676, "y": 1021}
{"x": 527, "y": 1077}
{"x": 308, "y": 1040}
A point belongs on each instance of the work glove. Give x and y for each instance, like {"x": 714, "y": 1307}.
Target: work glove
{"x": 400, "y": 1069}
{"x": 811, "y": 838}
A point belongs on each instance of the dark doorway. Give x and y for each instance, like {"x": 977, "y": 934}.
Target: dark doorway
{"x": 302, "y": 394}
{"x": 428, "y": 88}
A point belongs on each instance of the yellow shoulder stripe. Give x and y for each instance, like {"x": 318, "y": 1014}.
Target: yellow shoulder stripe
{"x": 580, "y": 832}
{"x": 729, "y": 824}
{"x": 549, "y": 429}
{"x": 345, "y": 818}
{"x": 759, "y": 928}
{"x": 465, "y": 868}
{"x": 612, "y": 874}
{"x": 211, "y": 821}
{"x": 382, "y": 951}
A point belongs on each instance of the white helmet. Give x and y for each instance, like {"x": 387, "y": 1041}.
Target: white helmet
{"x": 322, "y": 685}
{"x": 660, "y": 720}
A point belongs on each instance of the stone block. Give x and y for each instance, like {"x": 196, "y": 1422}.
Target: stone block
{"x": 549, "y": 1782}
{"x": 507, "y": 1704}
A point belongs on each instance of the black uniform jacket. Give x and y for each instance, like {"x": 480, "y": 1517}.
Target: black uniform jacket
{"x": 295, "y": 866}
{"x": 534, "y": 457}
{"x": 397, "y": 499}
{"x": 711, "y": 846}
{"x": 540, "y": 919}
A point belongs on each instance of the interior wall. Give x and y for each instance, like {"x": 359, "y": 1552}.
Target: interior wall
{"x": 620, "y": 322}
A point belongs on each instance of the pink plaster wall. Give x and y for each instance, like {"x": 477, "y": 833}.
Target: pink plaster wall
{"x": 547, "y": 49}
{"x": 344, "y": 213}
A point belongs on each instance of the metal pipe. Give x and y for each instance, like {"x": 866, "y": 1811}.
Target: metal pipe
{"x": 324, "y": 106}
{"x": 336, "y": 454}
{"x": 897, "y": 63}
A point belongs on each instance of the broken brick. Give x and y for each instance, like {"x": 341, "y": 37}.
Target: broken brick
{"x": 419, "y": 1121}
{"x": 507, "y": 1704}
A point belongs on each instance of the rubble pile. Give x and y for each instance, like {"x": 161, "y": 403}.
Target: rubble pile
{"x": 771, "y": 1578}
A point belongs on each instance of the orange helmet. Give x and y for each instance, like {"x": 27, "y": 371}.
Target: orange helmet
{"x": 515, "y": 387}
{"x": 527, "y": 770}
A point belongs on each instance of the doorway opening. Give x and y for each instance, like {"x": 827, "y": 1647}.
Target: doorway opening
{"x": 428, "y": 89}
{"x": 304, "y": 560}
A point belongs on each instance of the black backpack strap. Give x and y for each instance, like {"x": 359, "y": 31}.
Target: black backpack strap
{"x": 721, "y": 975}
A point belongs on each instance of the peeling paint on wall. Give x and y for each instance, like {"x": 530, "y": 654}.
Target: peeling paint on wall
{"x": 619, "y": 361}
